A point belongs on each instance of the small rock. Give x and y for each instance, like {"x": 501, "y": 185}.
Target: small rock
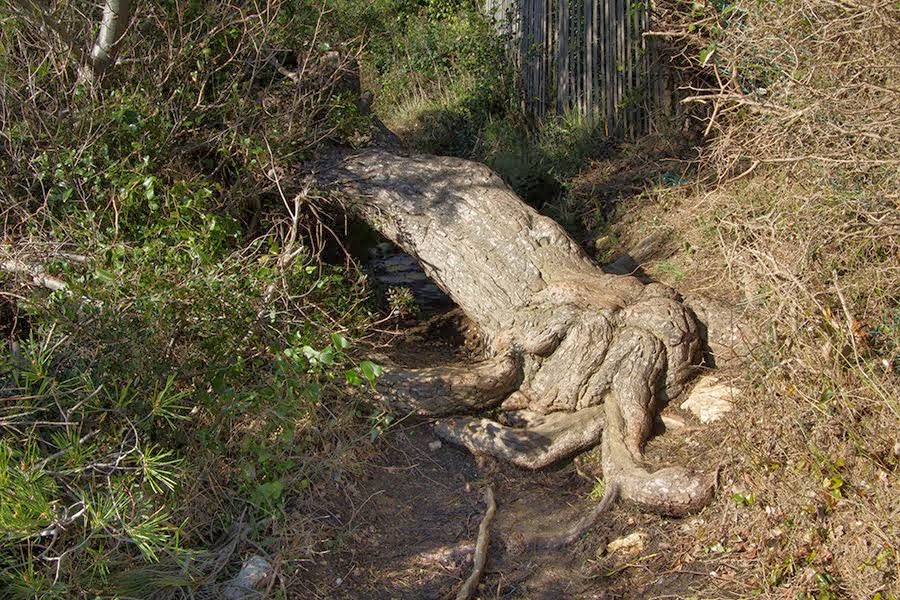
{"x": 435, "y": 445}
{"x": 710, "y": 400}
{"x": 672, "y": 422}
{"x": 253, "y": 572}
{"x": 629, "y": 544}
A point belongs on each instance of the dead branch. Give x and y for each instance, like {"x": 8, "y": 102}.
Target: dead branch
{"x": 586, "y": 523}
{"x": 36, "y": 271}
{"x": 116, "y": 17}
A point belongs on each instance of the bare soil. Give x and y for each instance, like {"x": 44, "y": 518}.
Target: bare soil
{"x": 406, "y": 527}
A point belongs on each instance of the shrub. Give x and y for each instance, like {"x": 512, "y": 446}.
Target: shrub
{"x": 190, "y": 366}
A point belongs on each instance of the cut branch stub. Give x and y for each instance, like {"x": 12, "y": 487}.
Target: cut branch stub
{"x": 580, "y": 353}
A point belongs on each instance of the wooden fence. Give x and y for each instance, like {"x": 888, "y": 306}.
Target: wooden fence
{"x": 589, "y": 57}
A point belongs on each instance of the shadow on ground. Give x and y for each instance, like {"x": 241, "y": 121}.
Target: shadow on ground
{"x": 405, "y": 528}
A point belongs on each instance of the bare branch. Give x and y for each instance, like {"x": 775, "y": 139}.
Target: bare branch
{"x": 35, "y": 271}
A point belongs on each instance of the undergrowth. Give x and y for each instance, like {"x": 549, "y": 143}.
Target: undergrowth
{"x": 185, "y": 373}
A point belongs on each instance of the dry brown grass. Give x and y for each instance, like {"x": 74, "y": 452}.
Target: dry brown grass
{"x": 817, "y": 434}
{"x": 791, "y": 214}
{"x": 786, "y": 82}
{"x": 813, "y": 255}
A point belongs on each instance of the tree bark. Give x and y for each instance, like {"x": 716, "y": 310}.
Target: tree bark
{"x": 116, "y": 17}
{"x": 574, "y": 354}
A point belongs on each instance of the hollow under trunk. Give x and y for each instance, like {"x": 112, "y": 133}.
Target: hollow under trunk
{"x": 575, "y": 355}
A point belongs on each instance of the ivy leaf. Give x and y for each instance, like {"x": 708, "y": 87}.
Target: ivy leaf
{"x": 353, "y": 377}
{"x": 270, "y": 490}
{"x": 370, "y": 370}
{"x": 339, "y": 341}
{"x": 326, "y": 356}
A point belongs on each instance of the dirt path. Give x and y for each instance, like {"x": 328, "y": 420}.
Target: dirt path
{"x": 410, "y": 520}
{"x": 414, "y": 518}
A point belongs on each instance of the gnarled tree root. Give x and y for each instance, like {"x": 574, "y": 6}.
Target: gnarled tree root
{"x": 546, "y": 441}
{"x": 581, "y": 355}
{"x": 450, "y": 390}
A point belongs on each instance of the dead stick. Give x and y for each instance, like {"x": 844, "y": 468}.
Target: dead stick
{"x": 481, "y": 547}
{"x": 36, "y": 271}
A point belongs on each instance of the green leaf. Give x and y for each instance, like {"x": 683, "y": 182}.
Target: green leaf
{"x": 706, "y": 53}
{"x": 270, "y": 490}
{"x": 718, "y": 548}
{"x": 353, "y": 377}
{"x": 339, "y": 341}
{"x": 744, "y": 499}
{"x": 326, "y": 356}
{"x": 105, "y": 276}
{"x": 370, "y": 370}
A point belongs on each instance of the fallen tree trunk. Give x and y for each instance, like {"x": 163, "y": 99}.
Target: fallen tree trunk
{"x": 575, "y": 355}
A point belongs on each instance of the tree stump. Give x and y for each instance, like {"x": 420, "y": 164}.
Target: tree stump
{"x": 576, "y": 356}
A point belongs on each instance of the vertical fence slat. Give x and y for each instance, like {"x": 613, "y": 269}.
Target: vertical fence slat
{"x": 539, "y": 54}
{"x": 595, "y": 87}
{"x": 610, "y": 65}
{"x": 533, "y": 50}
{"x": 559, "y": 55}
{"x": 527, "y": 21}
{"x": 550, "y": 24}
{"x": 638, "y": 60}
{"x": 582, "y": 51}
{"x": 588, "y": 70}
{"x": 551, "y": 53}
{"x": 575, "y": 29}
{"x": 585, "y": 56}
{"x": 628, "y": 66}
{"x": 646, "y": 81}
{"x": 566, "y": 64}
{"x": 538, "y": 49}
{"x": 601, "y": 60}
{"x": 621, "y": 19}
{"x": 636, "y": 110}
{"x": 572, "y": 75}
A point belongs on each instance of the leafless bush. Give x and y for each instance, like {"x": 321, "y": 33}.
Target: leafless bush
{"x": 789, "y": 82}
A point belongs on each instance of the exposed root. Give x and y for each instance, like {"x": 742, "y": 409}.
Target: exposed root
{"x": 449, "y": 390}
{"x": 555, "y": 437}
{"x": 586, "y": 523}
{"x": 671, "y": 491}
{"x": 481, "y": 547}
